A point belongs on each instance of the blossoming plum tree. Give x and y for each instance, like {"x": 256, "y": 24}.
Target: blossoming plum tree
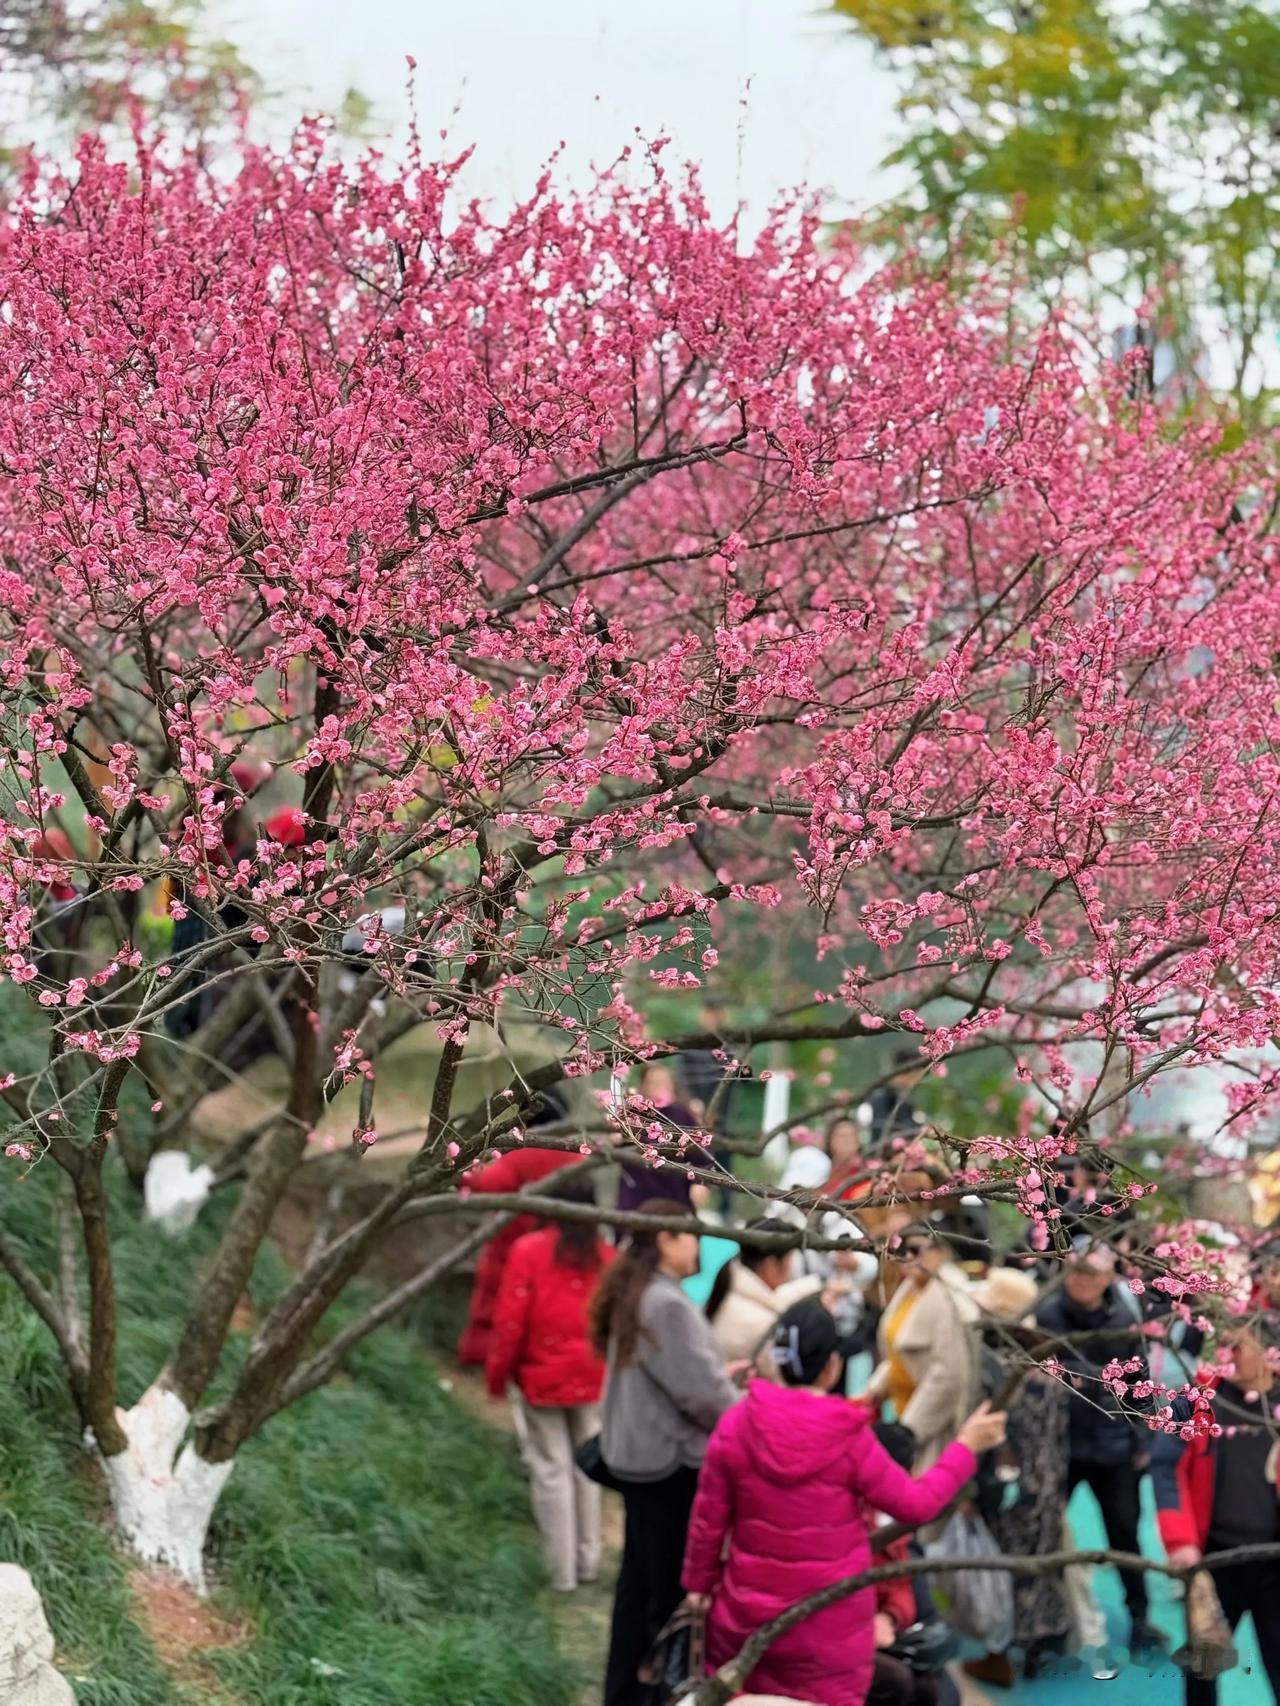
{"x": 598, "y": 575}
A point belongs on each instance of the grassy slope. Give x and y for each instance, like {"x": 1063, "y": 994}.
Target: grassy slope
{"x": 375, "y": 1536}
{"x": 49, "y": 1524}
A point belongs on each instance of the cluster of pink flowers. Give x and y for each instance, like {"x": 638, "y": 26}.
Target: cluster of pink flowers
{"x": 611, "y": 589}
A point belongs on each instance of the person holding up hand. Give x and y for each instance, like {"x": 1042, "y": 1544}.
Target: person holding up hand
{"x": 788, "y": 1477}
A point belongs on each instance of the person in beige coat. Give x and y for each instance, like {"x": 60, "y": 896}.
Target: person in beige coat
{"x": 750, "y": 1292}
{"x": 929, "y": 1368}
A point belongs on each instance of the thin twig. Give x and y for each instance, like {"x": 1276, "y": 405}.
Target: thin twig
{"x": 326, "y": 1363}
{"x": 46, "y": 1307}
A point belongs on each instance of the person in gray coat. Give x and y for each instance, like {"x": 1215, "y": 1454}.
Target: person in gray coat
{"x": 665, "y": 1389}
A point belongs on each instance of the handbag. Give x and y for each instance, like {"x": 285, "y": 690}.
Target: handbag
{"x": 978, "y": 1603}
{"x": 590, "y": 1460}
{"x": 589, "y": 1456}
{"x": 676, "y": 1663}
{"x": 1210, "y": 1649}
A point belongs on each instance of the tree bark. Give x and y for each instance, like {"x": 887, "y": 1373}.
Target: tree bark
{"x": 282, "y": 1337}
{"x": 326, "y": 1363}
{"x": 196, "y": 1356}
{"x": 46, "y": 1307}
{"x": 163, "y": 1493}
{"x": 91, "y": 1201}
{"x": 100, "y": 1389}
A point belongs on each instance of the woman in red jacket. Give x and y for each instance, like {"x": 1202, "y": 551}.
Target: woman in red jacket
{"x": 509, "y": 1173}
{"x": 781, "y": 1511}
{"x": 539, "y": 1342}
{"x": 1215, "y": 1493}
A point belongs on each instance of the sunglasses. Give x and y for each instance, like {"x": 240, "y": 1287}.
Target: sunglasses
{"x": 909, "y": 1252}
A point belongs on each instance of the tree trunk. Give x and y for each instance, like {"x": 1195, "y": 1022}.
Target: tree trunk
{"x": 163, "y": 1493}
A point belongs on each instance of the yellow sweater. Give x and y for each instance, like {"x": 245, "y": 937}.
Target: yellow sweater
{"x": 901, "y": 1385}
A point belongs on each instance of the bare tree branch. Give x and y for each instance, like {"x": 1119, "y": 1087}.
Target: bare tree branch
{"x": 731, "y": 1678}
{"x": 325, "y": 1364}
{"x": 45, "y": 1306}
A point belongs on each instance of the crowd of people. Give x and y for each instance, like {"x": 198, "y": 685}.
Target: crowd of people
{"x": 894, "y": 1370}
{"x": 762, "y": 1436}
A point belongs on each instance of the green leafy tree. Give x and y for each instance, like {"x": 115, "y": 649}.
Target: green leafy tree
{"x": 86, "y": 64}
{"x": 1118, "y": 150}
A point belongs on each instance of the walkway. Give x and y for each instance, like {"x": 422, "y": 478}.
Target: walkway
{"x": 1137, "y": 1685}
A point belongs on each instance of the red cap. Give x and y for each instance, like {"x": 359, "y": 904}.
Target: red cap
{"x": 288, "y": 827}
{"x": 53, "y": 844}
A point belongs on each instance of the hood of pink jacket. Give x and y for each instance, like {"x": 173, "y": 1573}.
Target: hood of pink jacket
{"x": 792, "y": 1435}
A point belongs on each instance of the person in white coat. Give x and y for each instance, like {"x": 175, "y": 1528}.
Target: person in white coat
{"x": 929, "y": 1360}
{"x": 749, "y": 1294}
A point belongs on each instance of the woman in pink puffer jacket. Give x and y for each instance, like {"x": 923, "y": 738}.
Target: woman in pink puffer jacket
{"x": 787, "y": 1480}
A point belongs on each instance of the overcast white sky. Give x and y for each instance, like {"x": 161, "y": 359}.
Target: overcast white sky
{"x": 765, "y": 94}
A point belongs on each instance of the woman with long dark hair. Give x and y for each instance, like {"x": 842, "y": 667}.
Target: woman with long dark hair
{"x": 1038, "y": 1447}
{"x": 539, "y": 1342}
{"x": 664, "y": 1391}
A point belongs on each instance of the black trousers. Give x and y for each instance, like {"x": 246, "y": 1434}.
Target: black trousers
{"x": 1254, "y": 1588}
{"x": 1116, "y": 1490}
{"x": 648, "y": 1590}
{"x": 896, "y": 1684}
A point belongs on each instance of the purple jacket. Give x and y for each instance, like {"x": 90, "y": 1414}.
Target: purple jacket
{"x": 788, "y": 1479}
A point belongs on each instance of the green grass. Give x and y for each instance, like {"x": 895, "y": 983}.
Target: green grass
{"x": 383, "y": 1533}
{"x": 51, "y": 1522}
{"x": 375, "y": 1537}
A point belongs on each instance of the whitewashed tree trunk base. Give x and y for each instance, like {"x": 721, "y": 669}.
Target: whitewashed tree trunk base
{"x": 163, "y": 1493}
